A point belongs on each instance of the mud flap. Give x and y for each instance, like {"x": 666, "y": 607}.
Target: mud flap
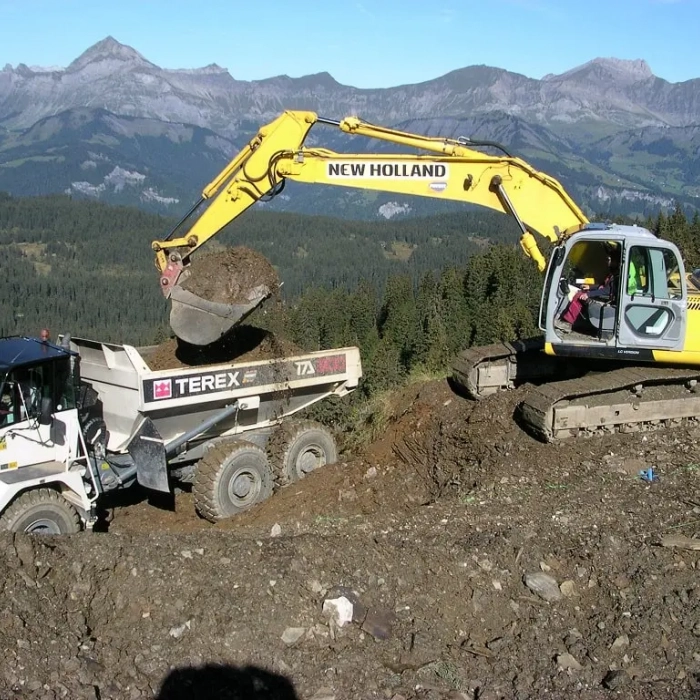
{"x": 148, "y": 452}
{"x": 201, "y": 322}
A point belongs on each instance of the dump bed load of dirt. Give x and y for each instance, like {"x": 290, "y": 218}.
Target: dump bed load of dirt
{"x": 243, "y": 344}
{"x": 228, "y": 276}
{"x": 480, "y": 564}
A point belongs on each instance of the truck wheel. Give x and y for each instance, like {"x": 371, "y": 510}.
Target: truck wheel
{"x": 230, "y": 479}
{"x": 41, "y": 512}
{"x": 297, "y": 448}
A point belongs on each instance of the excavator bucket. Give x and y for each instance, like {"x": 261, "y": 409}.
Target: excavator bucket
{"x": 213, "y": 293}
{"x": 200, "y": 322}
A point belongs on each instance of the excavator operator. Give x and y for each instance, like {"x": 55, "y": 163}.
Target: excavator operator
{"x": 574, "y": 313}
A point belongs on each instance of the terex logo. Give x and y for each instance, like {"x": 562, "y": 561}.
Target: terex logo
{"x": 304, "y": 368}
{"x": 163, "y": 389}
{"x": 198, "y": 384}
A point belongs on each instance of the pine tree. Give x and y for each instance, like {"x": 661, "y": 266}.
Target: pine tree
{"x": 383, "y": 369}
{"x": 363, "y": 315}
{"x": 453, "y": 310}
{"x": 398, "y": 319}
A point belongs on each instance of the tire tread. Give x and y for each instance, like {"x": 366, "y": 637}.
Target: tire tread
{"x": 39, "y": 497}
{"x": 281, "y": 442}
{"x": 206, "y": 478}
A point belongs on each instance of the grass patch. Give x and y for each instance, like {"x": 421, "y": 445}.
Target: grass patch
{"x": 479, "y": 241}
{"x": 32, "y": 159}
{"x": 36, "y": 252}
{"x": 33, "y": 250}
{"x": 368, "y": 420}
{"x": 399, "y": 250}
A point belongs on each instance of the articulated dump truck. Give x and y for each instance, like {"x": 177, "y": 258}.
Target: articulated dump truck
{"x": 82, "y": 418}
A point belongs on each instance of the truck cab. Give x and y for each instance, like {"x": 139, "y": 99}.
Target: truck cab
{"x": 40, "y": 437}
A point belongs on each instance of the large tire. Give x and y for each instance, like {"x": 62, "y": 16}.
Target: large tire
{"x": 297, "y": 448}
{"x": 41, "y": 512}
{"x": 231, "y": 478}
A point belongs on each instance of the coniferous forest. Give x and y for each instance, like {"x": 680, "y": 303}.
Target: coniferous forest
{"x": 410, "y": 293}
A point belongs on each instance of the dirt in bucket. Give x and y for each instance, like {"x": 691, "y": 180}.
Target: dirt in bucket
{"x": 228, "y": 276}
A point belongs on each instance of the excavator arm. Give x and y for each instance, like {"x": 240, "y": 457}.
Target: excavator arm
{"x": 451, "y": 170}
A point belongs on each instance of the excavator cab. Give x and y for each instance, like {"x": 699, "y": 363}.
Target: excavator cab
{"x": 631, "y": 307}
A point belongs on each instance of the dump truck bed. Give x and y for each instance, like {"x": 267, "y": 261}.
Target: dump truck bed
{"x": 176, "y": 400}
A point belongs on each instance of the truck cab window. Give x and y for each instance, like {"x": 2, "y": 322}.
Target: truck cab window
{"x": 64, "y": 386}
{"x": 9, "y": 406}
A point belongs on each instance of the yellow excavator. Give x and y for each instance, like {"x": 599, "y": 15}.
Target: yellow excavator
{"x": 629, "y": 361}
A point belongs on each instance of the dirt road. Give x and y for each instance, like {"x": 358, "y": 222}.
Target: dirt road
{"x": 480, "y": 564}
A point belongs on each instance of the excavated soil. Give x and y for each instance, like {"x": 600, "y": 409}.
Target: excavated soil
{"x": 228, "y": 276}
{"x": 432, "y": 531}
{"x": 243, "y": 344}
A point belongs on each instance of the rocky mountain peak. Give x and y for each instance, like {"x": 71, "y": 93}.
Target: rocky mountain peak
{"x": 323, "y": 79}
{"x": 620, "y": 69}
{"x": 211, "y": 69}
{"x": 636, "y": 68}
{"x": 108, "y": 49}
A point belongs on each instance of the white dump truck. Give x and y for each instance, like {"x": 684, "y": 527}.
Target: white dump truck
{"x": 82, "y": 417}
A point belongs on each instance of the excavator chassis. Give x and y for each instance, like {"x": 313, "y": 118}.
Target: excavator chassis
{"x": 569, "y": 399}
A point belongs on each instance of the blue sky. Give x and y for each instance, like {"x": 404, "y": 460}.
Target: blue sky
{"x": 372, "y": 43}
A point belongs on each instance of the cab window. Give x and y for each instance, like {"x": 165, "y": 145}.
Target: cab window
{"x": 24, "y": 388}
{"x": 654, "y": 272}
{"x": 10, "y": 403}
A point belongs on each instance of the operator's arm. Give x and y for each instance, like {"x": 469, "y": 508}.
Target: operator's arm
{"x": 605, "y": 290}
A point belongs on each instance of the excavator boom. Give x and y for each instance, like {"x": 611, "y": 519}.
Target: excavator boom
{"x": 446, "y": 169}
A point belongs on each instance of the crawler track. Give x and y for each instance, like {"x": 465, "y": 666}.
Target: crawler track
{"x": 569, "y": 400}
{"x": 621, "y": 400}
{"x": 484, "y": 370}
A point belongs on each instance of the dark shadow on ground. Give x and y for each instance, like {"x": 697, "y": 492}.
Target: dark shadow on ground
{"x": 128, "y": 497}
{"x": 224, "y": 682}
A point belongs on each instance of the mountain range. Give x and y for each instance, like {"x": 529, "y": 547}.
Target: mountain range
{"x": 115, "y": 126}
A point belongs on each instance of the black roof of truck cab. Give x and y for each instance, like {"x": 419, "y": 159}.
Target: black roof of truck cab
{"x": 22, "y": 351}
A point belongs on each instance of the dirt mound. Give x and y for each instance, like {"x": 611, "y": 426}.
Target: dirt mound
{"x": 439, "y": 532}
{"x": 228, "y": 276}
{"x": 242, "y": 344}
